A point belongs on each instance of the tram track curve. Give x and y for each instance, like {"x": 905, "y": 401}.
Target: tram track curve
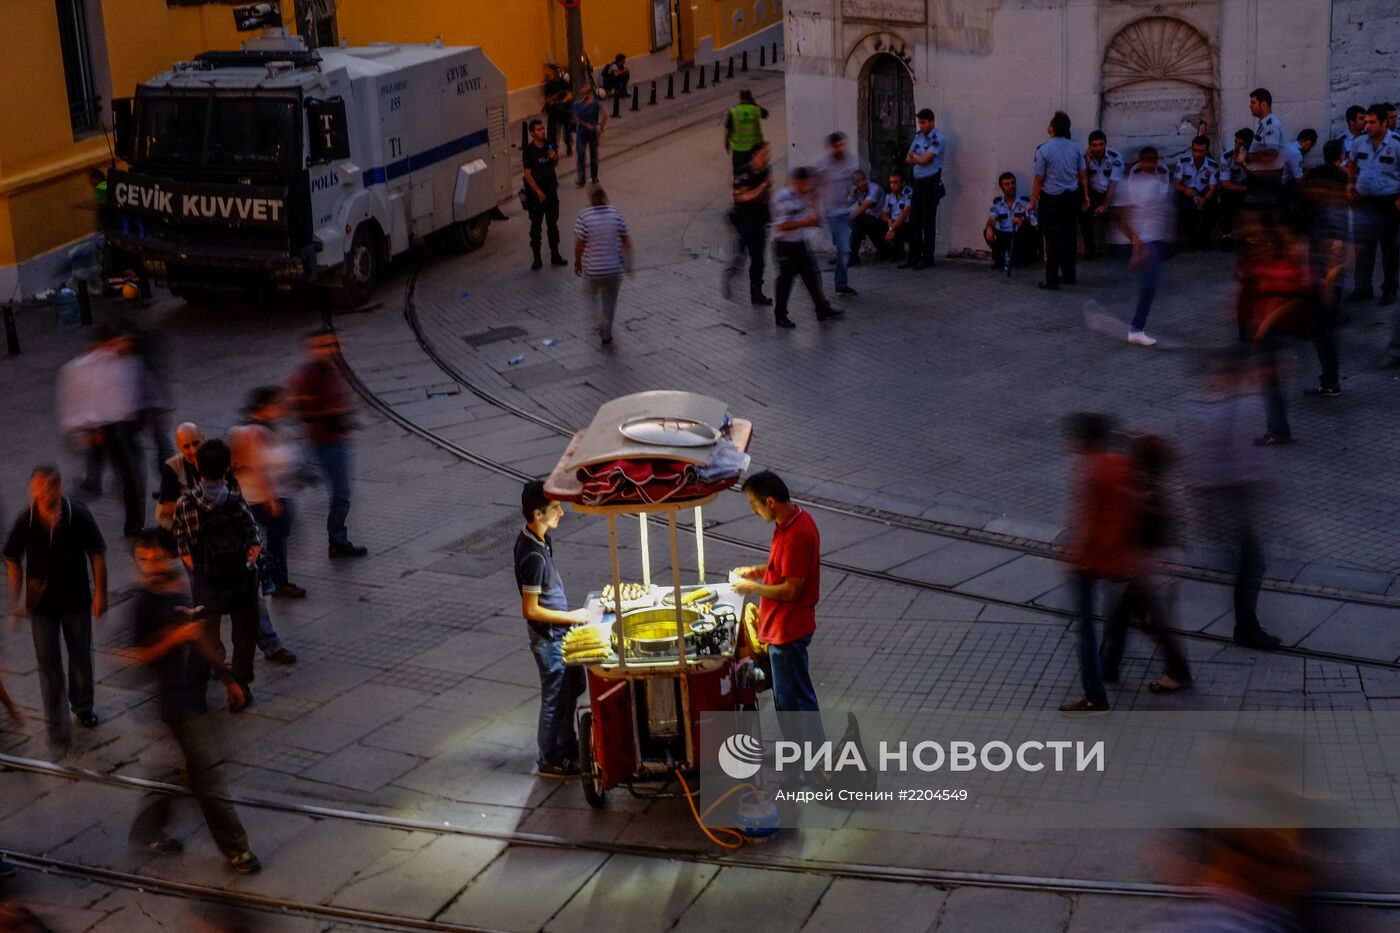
{"x": 942, "y": 878}
{"x": 886, "y": 519}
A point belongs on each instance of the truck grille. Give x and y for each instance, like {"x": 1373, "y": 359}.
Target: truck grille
{"x": 496, "y": 122}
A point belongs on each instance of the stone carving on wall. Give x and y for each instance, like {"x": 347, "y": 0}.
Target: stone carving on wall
{"x": 1158, "y": 49}
{"x": 964, "y": 25}
{"x": 885, "y": 11}
{"x": 878, "y": 43}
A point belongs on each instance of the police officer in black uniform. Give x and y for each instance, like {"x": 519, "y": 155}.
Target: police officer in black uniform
{"x": 540, "y": 193}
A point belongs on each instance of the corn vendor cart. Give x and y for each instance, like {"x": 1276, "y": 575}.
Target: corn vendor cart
{"x": 660, "y": 651}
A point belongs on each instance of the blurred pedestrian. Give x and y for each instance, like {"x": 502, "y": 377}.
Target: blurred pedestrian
{"x": 833, "y": 184}
{"x": 164, "y": 639}
{"x": 793, "y": 215}
{"x": 178, "y": 473}
{"x": 1324, "y": 202}
{"x": 545, "y": 607}
{"x": 1142, "y": 209}
{"x": 743, "y": 129}
{"x": 319, "y": 395}
{"x": 558, "y": 91}
{"x": 1273, "y": 306}
{"x": 47, "y": 555}
{"x": 1147, "y": 598}
{"x": 1057, "y": 197}
{"x": 1230, "y": 480}
{"x": 264, "y": 465}
{"x": 925, "y": 158}
{"x": 590, "y": 119}
{"x": 541, "y": 189}
{"x": 602, "y": 256}
{"x": 753, "y": 188}
{"x": 218, "y": 540}
{"x": 1104, "y": 514}
{"x": 154, "y": 389}
{"x": 1375, "y": 191}
{"x": 99, "y": 401}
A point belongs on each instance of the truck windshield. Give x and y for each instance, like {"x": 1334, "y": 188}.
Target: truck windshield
{"x": 220, "y": 133}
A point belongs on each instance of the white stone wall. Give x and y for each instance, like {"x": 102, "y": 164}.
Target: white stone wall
{"x": 1365, "y": 56}
{"x": 995, "y": 70}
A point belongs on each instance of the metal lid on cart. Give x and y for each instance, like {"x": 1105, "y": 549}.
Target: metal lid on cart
{"x": 605, "y": 438}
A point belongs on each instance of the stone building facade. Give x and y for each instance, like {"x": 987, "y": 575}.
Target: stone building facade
{"x": 1145, "y": 72}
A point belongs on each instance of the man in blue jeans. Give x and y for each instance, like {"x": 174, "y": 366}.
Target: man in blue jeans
{"x": 546, "y": 610}
{"x": 590, "y": 119}
{"x": 322, "y": 398}
{"x": 1143, "y": 209}
{"x": 834, "y": 173}
{"x": 788, "y": 588}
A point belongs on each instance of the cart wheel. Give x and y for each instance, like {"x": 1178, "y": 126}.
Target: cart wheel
{"x": 589, "y": 772}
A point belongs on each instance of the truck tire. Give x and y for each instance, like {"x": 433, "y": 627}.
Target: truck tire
{"x": 462, "y": 236}
{"x": 360, "y": 273}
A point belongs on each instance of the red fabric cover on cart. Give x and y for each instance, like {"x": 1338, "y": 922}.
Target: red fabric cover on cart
{"x": 643, "y": 481}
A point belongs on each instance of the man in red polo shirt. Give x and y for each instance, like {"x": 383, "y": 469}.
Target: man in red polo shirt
{"x": 788, "y": 593}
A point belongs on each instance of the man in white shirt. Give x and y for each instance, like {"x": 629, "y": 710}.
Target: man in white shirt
{"x": 1143, "y": 211}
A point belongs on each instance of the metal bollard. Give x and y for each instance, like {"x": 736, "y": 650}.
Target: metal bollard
{"x": 636, "y": 98}
{"x": 651, "y": 101}
{"x": 685, "y": 82}
{"x": 84, "y": 304}
{"x": 730, "y": 72}
{"x": 762, "y": 52}
{"x": 671, "y": 87}
{"x": 617, "y": 105}
{"x": 744, "y": 61}
{"x": 701, "y": 85}
{"x": 11, "y": 334}
{"x": 716, "y": 80}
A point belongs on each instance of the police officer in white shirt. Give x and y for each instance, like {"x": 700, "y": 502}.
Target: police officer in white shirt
{"x": 1057, "y": 196}
{"x": 792, "y": 215}
{"x": 1264, "y": 162}
{"x": 1375, "y": 190}
{"x": 1231, "y": 187}
{"x": 865, "y": 200}
{"x": 1195, "y": 178}
{"x": 1104, "y": 168}
{"x": 895, "y": 212}
{"x": 925, "y": 155}
{"x": 1356, "y": 126}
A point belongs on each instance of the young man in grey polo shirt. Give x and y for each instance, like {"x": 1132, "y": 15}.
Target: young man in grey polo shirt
{"x": 792, "y": 215}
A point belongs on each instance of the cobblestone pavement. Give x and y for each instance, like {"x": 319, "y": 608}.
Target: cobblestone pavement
{"x": 416, "y": 695}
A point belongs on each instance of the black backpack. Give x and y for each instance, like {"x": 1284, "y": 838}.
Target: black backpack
{"x": 223, "y": 554}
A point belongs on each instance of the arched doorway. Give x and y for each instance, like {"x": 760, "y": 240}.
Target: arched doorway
{"x": 1159, "y": 87}
{"x": 889, "y": 113}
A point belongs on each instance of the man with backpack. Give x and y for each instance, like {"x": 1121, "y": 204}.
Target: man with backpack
{"x": 217, "y": 538}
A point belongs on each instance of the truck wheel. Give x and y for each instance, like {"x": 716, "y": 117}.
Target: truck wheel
{"x": 462, "y": 236}
{"x": 361, "y": 270}
{"x": 589, "y": 772}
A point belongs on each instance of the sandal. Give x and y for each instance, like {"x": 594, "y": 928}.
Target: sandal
{"x": 1158, "y": 687}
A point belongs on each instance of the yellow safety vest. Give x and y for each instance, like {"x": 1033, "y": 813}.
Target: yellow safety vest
{"x": 745, "y": 127}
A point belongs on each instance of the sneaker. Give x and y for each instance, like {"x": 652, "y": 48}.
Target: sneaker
{"x": 283, "y": 655}
{"x": 1323, "y": 391}
{"x": 288, "y": 591}
{"x": 847, "y": 291}
{"x": 87, "y": 720}
{"x": 1139, "y": 338}
{"x": 785, "y": 322}
{"x": 245, "y": 863}
{"x": 336, "y": 551}
{"x": 568, "y": 768}
{"x": 1084, "y": 706}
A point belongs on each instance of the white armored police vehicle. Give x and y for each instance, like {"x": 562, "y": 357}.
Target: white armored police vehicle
{"x": 281, "y": 164}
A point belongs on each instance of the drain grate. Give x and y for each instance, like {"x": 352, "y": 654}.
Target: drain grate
{"x": 494, "y": 335}
{"x": 491, "y": 541}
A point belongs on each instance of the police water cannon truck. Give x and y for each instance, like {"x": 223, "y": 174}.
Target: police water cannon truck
{"x": 278, "y": 164}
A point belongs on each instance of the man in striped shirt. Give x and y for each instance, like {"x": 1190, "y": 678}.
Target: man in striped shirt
{"x": 602, "y": 254}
